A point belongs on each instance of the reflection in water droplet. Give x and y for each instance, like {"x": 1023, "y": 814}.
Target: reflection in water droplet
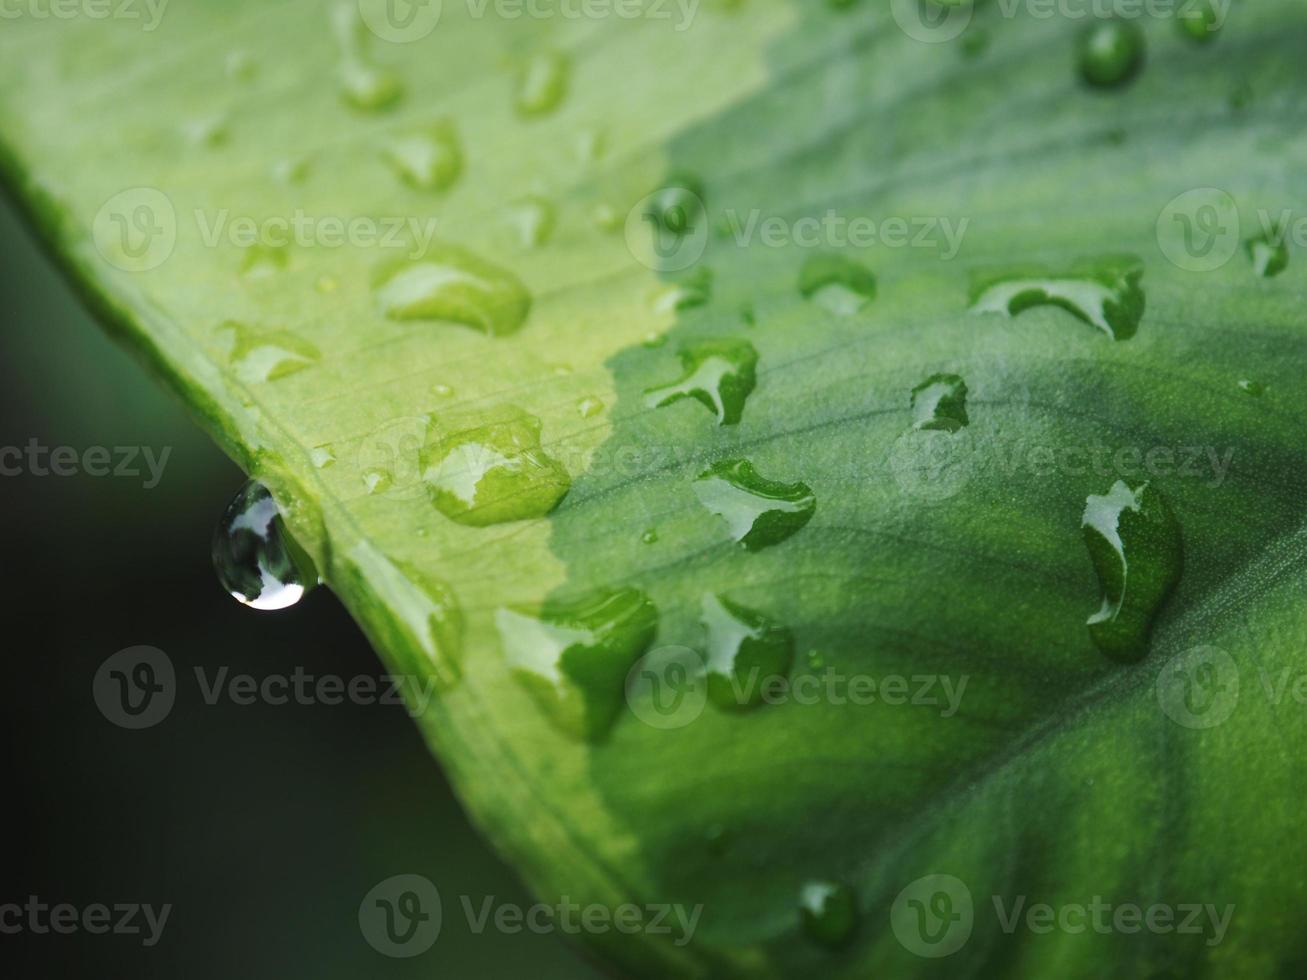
{"x": 677, "y": 206}
{"x": 489, "y": 468}
{"x": 836, "y": 284}
{"x": 650, "y": 536}
{"x": 589, "y": 407}
{"x": 542, "y": 83}
{"x": 442, "y": 391}
{"x": 1254, "y": 388}
{"x": 322, "y": 456}
{"x": 428, "y": 159}
{"x": 256, "y": 559}
{"x": 1135, "y": 546}
{"x": 759, "y": 512}
{"x": 940, "y": 402}
{"x": 1103, "y": 292}
{"x": 747, "y": 654}
{"x": 828, "y": 912}
{"x": 1269, "y": 253}
{"x": 573, "y": 656}
{"x": 449, "y": 283}
{"x": 265, "y": 355}
{"x": 1111, "y": 53}
{"x": 719, "y": 374}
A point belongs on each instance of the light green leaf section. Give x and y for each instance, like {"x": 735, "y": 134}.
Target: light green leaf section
{"x": 948, "y": 741}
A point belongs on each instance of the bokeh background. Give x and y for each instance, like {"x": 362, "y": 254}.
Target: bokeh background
{"x": 264, "y": 826}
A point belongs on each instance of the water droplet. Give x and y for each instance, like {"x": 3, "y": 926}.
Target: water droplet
{"x": 650, "y": 536}
{"x": 265, "y": 355}
{"x": 322, "y": 456}
{"x": 489, "y": 468}
{"x": 542, "y": 83}
{"x": 327, "y": 284}
{"x": 693, "y": 291}
{"x": 828, "y": 912}
{"x": 241, "y": 66}
{"x": 442, "y": 391}
{"x": 428, "y": 159}
{"x": 975, "y": 42}
{"x": 1200, "y": 20}
{"x": 590, "y": 145}
{"x": 1104, "y": 292}
{"x": 1269, "y": 253}
{"x": 747, "y": 315}
{"x": 261, "y": 261}
{"x": 836, "y": 284}
{"x": 1135, "y": 547}
{"x": 759, "y": 512}
{"x": 208, "y": 131}
{"x": 290, "y": 171}
{"x": 816, "y": 659}
{"x": 677, "y": 206}
{"x": 1111, "y": 52}
{"x": 719, "y": 374}
{"x": 746, "y": 652}
{"x": 573, "y": 656}
{"x": 940, "y": 402}
{"x": 449, "y": 283}
{"x": 377, "y": 479}
{"x": 589, "y": 407}
{"x": 534, "y": 218}
{"x": 256, "y": 559}
{"x": 364, "y": 85}
{"x": 1254, "y": 388}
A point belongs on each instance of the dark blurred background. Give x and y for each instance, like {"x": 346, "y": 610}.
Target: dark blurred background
{"x": 263, "y": 826}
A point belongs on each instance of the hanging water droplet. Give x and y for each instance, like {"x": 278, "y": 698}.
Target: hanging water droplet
{"x": 1135, "y": 546}
{"x": 489, "y": 468}
{"x": 1269, "y": 253}
{"x": 256, "y": 559}
{"x": 1103, "y": 292}
{"x": 533, "y": 217}
{"x": 573, "y": 656}
{"x": 940, "y": 402}
{"x": 719, "y": 374}
{"x": 589, "y": 407}
{"x": 836, "y": 284}
{"x": 542, "y": 83}
{"x": 265, "y": 355}
{"x": 322, "y": 456}
{"x": 828, "y": 912}
{"x": 428, "y": 159}
{"x": 747, "y": 654}
{"x": 759, "y": 512}
{"x": 1111, "y": 53}
{"x": 449, "y": 283}
{"x": 1200, "y": 20}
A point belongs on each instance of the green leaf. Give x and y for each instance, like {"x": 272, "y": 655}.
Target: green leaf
{"x": 934, "y": 737}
